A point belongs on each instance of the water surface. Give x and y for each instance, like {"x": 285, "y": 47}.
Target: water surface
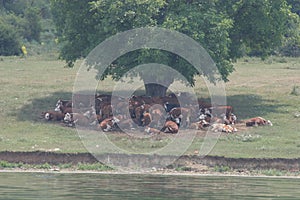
{"x": 127, "y": 186}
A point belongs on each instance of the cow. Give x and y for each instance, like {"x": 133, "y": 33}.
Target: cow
{"x": 64, "y": 109}
{"x": 170, "y": 127}
{"x": 77, "y": 119}
{"x": 181, "y": 115}
{"x": 139, "y": 111}
{"x": 121, "y": 108}
{"x": 158, "y": 115}
{"x": 258, "y": 121}
{"x": 202, "y": 124}
{"x": 220, "y": 127}
{"x": 169, "y": 106}
{"x": 103, "y": 97}
{"x": 136, "y": 101}
{"x": 231, "y": 119}
{"x": 106, "y": 111}
{"x": 108, "y": 124}
{"x": 53, "y": 115}
{"x": 147, "y": 119}
{"x": 63, "y": 104}
{"x": 150, "y": 130}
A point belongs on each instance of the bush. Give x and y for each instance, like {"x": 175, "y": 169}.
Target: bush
{"x": 290, "y": 49}
{"x": 9, "y": 40}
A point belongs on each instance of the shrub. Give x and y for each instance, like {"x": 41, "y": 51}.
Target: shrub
{"x": 9, "y": 40}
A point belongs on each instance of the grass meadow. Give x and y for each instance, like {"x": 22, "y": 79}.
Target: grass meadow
{"x": 269, "y": 89}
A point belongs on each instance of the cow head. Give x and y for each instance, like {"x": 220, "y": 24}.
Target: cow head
{"x": 269, "y": 123}
{"x": 115, "y": 120}
{"x": 58, "y": 105}
{"x": 68, "y": 117}
{"x": 47, "y": 116}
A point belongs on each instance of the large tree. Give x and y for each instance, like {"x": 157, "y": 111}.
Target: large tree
{"x": 226, "y": 29}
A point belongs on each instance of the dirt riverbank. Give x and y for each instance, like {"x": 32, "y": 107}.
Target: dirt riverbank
{"x": 187, "y": 162}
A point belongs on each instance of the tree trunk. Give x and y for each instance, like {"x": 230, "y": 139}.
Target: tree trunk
{"x": 156, "y": 85}
{"x": 155, "y": 90}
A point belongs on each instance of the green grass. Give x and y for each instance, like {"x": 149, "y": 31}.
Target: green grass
{"x": 46, "y": 166}
{"x": 256, "y": 88}
{"x": 259, "y": 88}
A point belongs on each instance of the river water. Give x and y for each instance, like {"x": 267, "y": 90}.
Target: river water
{"x": 133, "y": 186}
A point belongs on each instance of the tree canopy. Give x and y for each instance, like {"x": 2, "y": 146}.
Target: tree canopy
{"x": 226, "y": 29}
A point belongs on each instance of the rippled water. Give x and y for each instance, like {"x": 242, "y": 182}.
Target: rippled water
{"x": 116, "y": 186}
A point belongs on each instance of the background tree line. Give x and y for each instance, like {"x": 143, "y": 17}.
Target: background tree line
{"x": 21, "y": 21}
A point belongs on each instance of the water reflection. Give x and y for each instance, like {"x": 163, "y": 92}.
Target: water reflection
{"x": 100, "y": 186}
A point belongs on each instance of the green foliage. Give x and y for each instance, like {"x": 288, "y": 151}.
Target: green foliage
{"x": 100, "y": 19}
{"x": 33, "y": 27}
{"x": 183, "y": 169}
{"x": 295, "y": 4}
{"x": 94, "y": 167}
{"x": 273, "y": 172}
{"x": 226, "y": 29}
{"x": 76, "y": 26}
{"x": 291, "y": 42}
{"x": 9, "y": 42}
{"x": 43, "y": 166}
{"x": 5, "y": 164}
{"x": 259, "y": 26}
{"x": 222, "y": 168}
{"x": 20, "y": 22}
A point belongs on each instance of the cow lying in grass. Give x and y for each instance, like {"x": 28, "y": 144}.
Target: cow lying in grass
{"x": 200, "y": 125}
{"x": 63, "y": 104}
{"x": 258, "y": 121}
{"x": 219, "y": 127}
{"x": 53, "y": 115}
{"x": 109, "y": 124}
{"x": 88, "y": 118}
{"x": 155, "y": 114}
{"x": 169, "y": 127}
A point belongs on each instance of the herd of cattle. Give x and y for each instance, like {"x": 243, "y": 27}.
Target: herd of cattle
{"x": 151, "y": 114}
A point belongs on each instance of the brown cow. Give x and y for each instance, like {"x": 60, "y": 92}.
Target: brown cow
{"x": 219, "y": 127}
{"x": 76, "y": 119}
{"x": 258, "y": 121}
{"x": 231, "y": 119}
{"x": 182, "y": 115}
{"x": 106, "y": 111}
{"x": 139, "y": 111}
{"x": 158, "y": 115}
{"x": 152, "y": 130}
{"x": 170, "y": 127}
{"x": 147, "y": 119}
{"x": 199, "y": 125}
{"x": 108, "y": 124}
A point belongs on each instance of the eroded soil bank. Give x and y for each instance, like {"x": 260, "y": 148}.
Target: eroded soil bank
{"x": 193, "y": 162}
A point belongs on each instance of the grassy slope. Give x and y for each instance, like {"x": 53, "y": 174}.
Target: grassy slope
{"x": 259, "y": 88}
{"x": 29, "y": 86}
{"x": 256, "y": 88}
